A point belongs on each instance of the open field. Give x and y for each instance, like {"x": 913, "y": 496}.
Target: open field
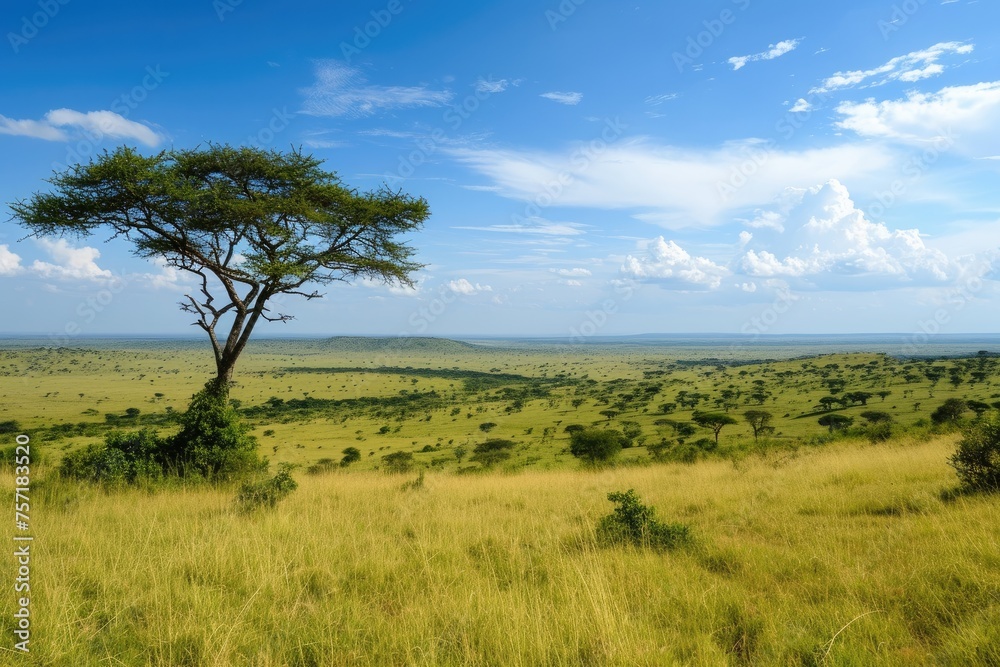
{"x": 310, "y": 399}
{"x": 807, "y": 548}
{"x": 845, "y": 554}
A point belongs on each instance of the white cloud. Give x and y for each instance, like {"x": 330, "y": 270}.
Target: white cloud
{"x": 563, "y": 98}
{"x": 70, "y": 263}
{"x": 572, "y": 273}
{"x": 10, "y": 263}
{"x": 96, "y": 124}
{"x": 911, "y": 67}
{"x": 674, "y": 187}
{"x": 773, "y": 51}
{"x": 657, "y": 100}
{"x": 490, "y": 86}
{"x": 464, "y": 287}
{"x": 750, "y": 287}
{"x": 830, "y": 243}
{"x": 341, "y": 90}
{"x": 667, "y": 262}
{"x": 745, "y": 238}
{"x": 801, "y": 106}
{"x": 974, "y": 111}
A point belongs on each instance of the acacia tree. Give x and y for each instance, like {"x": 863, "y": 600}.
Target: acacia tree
{"x": 760, "y": 422}
{"x": 712, "y": 420}
{"x": 248, "y": 224}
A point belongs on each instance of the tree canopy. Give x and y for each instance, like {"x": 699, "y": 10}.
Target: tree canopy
{"x": 247, "y": 223}
{"x": 712, "y": 420}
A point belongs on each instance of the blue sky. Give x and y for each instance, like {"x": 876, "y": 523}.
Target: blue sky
{"x": 591, "y": 167}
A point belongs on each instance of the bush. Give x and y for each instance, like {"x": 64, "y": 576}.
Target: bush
{"x": 398, "y": 462}
{"x": 213, "y": 441}
{"x": 124, "y": 458}
{"x": 491, "y": 452}
{"x": 351, "y": 454}
{"x": 595, "y": 445}
{"x": 266, "y": 493}
{"x": 321, "y": 466}
{"x": 977, "y": 460}
{"x": 634, "y": 523}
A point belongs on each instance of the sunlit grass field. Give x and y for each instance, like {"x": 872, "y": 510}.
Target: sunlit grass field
{"x": 843, "y": 554}
{"x": 807, "y": 549}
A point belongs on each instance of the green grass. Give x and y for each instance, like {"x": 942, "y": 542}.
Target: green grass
{"x": 840, "y": 555}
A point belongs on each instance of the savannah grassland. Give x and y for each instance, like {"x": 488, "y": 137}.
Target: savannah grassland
{"x": 807, "y": 547}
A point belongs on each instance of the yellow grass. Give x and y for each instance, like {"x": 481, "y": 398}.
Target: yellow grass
{"x": 842, "y": 555}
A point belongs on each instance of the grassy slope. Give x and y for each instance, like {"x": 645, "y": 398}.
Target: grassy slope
{"x": 844, "y": 553}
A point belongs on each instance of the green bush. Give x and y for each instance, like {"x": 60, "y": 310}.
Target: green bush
{"x": 491, "y": 452}
{"x": 398, "y": 462}
{"x": 213, "y": 441}
{"x": 596, "y": 445}
{"x": 351, "y": 455}
{"x": 266, "y": 493}
{"x": 124, "y": 458}
{"x": 977, "y": 460}
{"x": 631, "y": 522}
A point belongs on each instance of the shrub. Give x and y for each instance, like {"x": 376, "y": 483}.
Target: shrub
{"x": 213, "y": 441}
{"x": 595, "y": 445}
{"x": 398, "y": 462}
{"x": 491, "y": 452}
{"x": 266, "y": 493}
{"x": 321, "y": 466}
{"x": 486, "y": 427}
{"x": 351, "y": 454}
{"x": 977, "y": 460}
{"x": 949, "y": 412}
{"x": 124, "y": 458}
{"x": 634, "y": 523}
{"x": 10, "y": 426}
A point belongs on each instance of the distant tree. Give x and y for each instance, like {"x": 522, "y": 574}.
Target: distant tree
{"x": 351, "y": 454}
{"x": 713, "y": 420}
{"x": 577, "y": 402}
{"x": 486, "y": 427}
{"x": 978, "y": 407}
{"x": 836, "y": 422}
{"x": 610, "y": 414}
{"x": 667, "y": 408}
{"x": 570, "y": 428}
{"x": 632, "y": 433}
{"x": 876, "y": 416}
{"x": 858, "y": 397}
{"x": 883, "y": 394}
{"x": 949, "y": 411}
{"x": 827, "y": 402}
{"x": 760, "y": 422}
{"x": 132, "y": 413}
{"x": 460, "y": 453}
{"x": 595, "y": 445}
{"x": 491, "y": 452}
{"x": 398, "y": 462}
{"x": 10, "y": 426}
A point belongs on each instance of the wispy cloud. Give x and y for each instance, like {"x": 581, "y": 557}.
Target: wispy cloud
{"x": 908, "y": 68}
{"x": 542, "y": 227}
{"x": 62, "y": 124}
{"x": 657, "y": 100}
{"x": 773, "y": 51}
{"x": 563, "y": 98}
{"x": 492, "y": 87}
{"x": 341, "y": 90}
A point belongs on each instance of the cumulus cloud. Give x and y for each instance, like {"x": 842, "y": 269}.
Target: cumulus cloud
{"x": 10, "y": 263}
{"x": 909, "y": 68}
{"x": 464, "y": 287}
{"x": 61, "y": 124}
{"x": 341, "y": 90}
{"x": 829, "y": 242}
{"x": 69, "y": 263}
{"x": 923, "y": 117}
{"x": 801, "y": 106}
{"x": 563, "y": 98}
{"x": 668, "y": 263}
{"x": 773, "y": 51}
